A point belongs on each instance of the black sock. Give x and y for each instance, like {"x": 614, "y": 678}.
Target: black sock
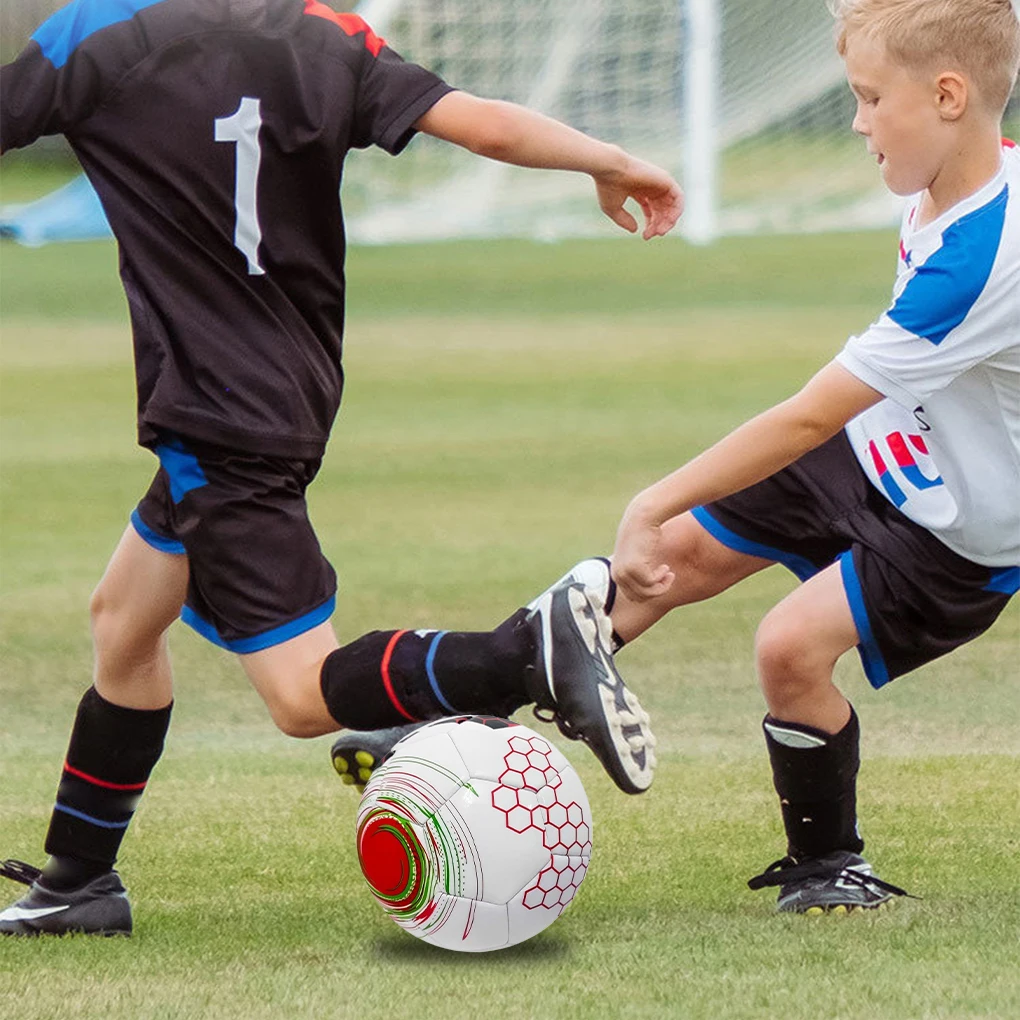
{"x": 815, "y": 775}
{"x": 110, "y": 757}
{"x": 387, "y": 678}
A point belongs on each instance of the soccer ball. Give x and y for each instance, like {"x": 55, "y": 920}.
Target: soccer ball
{"x": 474, "y": 834}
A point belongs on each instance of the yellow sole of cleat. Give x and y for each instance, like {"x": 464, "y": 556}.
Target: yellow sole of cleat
{"x": 364, "y": 775}
{"x": 340, "y": 764}
{"x": 364, "y": 758}
{"x": 811, "y": 911}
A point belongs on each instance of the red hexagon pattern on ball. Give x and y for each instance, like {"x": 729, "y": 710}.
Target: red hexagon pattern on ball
{"x": 528, "y": 794}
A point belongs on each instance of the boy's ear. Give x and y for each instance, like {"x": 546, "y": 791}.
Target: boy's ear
{"x": 952, "y": 95}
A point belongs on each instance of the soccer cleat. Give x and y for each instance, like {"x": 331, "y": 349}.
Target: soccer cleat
{"x": 837, "y": 883}
{"x": 575, "y": 678}
{"x": 99, "y": 907}
{"x": 357, "y": 754}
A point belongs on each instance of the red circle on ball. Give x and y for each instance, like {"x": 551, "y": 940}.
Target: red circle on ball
{"x": 389, "y": 861}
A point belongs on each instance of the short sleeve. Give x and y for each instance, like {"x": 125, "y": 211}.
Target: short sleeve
{"x": 947, "y": 318}
{"x": 392, "y": 92}
{"x": 63, "y": 73}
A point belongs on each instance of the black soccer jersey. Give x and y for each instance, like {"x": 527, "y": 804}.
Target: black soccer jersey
{"x": 215, "y": 133}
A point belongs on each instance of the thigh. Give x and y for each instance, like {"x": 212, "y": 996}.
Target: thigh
{"x": 258, "y": 577}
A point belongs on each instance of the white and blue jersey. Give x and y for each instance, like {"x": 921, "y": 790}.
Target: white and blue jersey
{"x": 944, "y": 447}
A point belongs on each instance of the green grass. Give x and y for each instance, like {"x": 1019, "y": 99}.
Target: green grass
{"x": 504, "y": 402}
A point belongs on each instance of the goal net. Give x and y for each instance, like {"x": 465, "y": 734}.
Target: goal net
{"x": 743, "y": 99}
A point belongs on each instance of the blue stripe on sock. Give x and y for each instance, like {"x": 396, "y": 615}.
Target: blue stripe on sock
{"x": 875, "y": 668}
{"x": 267, "y": 639}
{"x": 800, "y": 565}
{"x": 88, "y": 818}
{"x": 430, "y": 658}
{"x": 154, "y": 538}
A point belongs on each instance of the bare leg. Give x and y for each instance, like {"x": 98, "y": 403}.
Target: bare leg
{"x": 703, "y": 566}
{"x": 287, "y": 677}
{"x": 797, "y": 646}
{"x": 138, "y": 598}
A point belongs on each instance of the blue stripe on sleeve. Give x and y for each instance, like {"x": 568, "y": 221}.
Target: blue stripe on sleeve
{"x": 943, "y": 290}
{"x": 60, "y": 35}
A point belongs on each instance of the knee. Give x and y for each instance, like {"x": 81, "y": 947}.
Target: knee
{"x": 298, "y": 714}
{"x": 783, "y": 655}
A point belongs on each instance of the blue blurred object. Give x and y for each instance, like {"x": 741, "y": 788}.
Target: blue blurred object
{"x": 71, "y": 213}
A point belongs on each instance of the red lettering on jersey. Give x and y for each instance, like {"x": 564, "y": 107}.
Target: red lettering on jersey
{"x": 876, "y": 457}
{"x": 1008, "y": 143}
{"x": 899, "y": 449}
{"x": 351, "y": 24}
{"x": 919, "y": 443}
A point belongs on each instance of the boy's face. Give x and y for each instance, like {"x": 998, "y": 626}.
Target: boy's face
{"x": 898, "y": 115}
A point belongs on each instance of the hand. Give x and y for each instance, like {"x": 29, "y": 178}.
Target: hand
{"x": 639, "y": 566}
{"x": 659, "y": 196}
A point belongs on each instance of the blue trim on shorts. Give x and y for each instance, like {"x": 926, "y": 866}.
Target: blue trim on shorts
{"x": 1005, "y": 581}
{"x": 154, "y": 538}
{"x": 267, "y": 639}
{"x": 800, "y": 565}
{"x": 181, "y": 467}
{"x": 430, "y": 673}
{"x": 89, "y": 818}
{"x": 875, "y": 668}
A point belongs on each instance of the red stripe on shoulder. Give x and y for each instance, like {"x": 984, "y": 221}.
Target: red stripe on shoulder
{"x": 1008, "y": 143}
{"x": 351, "y": 24}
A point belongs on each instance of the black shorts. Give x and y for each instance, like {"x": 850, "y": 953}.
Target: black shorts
{"x": 257, "y": 573}
{"x": 912, "y": 598}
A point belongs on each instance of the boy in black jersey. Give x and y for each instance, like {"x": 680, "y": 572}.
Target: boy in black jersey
{"x": 215, "y": 131}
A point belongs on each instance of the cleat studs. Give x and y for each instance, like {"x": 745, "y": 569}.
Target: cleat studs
{"x": 364, "y": 774}
{"x": 340, "y": 764}
{"x": 364, "y": 758}
{"x": 814, "y": 911}
{"x": 347, "y": 779}
{"x": 839, "y": 909}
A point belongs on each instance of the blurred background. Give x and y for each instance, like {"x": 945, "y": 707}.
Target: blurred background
{"x": 744, "y": 100}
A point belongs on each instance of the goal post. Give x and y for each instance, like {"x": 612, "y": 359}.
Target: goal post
{"x": 744, "y": 100}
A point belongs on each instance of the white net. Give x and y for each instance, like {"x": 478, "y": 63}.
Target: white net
{"x": 780, "y": 112}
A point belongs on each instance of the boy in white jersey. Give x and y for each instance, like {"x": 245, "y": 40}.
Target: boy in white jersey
{"x": 891, "y": 482}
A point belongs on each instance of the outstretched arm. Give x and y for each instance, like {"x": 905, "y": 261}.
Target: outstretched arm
{"x": 754, "y": 451}
{"x": 515, "y": 134}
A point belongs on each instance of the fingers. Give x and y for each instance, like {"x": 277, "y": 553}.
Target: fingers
{"x": 622, "y": 218}
{"x": 661, "y": 212}
{"x": 640, "y": 583}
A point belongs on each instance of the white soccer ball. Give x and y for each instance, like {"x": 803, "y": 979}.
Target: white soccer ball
{"x": 474, "y": 834}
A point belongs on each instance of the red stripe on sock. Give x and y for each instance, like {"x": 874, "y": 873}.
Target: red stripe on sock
{"x": 387, "y": 682}
{"x": 103, "y": 782}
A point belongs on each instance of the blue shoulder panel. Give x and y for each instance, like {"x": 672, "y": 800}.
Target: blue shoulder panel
{"x": 61, "y": 34}
{"x": 943, "y": 290}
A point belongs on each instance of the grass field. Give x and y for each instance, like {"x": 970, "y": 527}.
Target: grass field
{"x": 504, "y": 402}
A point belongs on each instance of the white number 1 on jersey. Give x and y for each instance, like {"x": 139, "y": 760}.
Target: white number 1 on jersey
{"x": 242, "y": 127}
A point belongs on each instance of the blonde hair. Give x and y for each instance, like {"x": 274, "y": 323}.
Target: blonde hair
{"x": 980, "y": 37}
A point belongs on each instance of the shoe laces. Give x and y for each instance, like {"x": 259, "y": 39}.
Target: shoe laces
{"x": 19, "y": 871}
{"x": 788, "y": 869}
{"x": 550, "y": 715}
